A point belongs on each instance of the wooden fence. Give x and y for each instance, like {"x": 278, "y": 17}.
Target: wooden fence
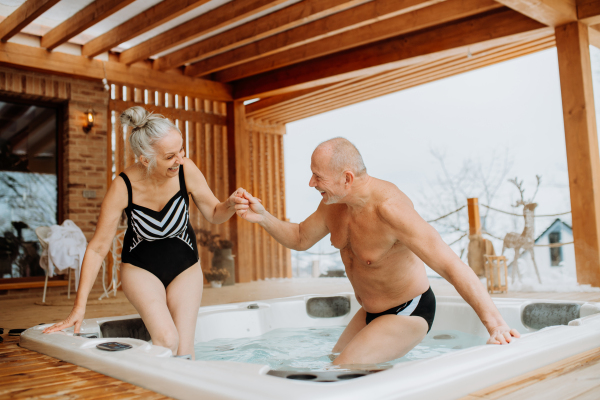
{"x": 203, "y": 124}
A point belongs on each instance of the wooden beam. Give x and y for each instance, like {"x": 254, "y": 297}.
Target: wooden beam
{"x": 38, "y": 59}
{"x": 149, "y": 19}
{"x": 588, "y": 11}
{"x": 420, "y": 19}
{"x": 239, "y": 176}
{"x": 90, "y": 15}
{"x": 196, "y": 27}
{"x": 549, "y": 12}
{"x": 581, "y": 139}
{"x": 365, "y": 15}
{"x": 503, "y": 24}
{"x": 23, "y": 16}
{"x": 271, "y": 24}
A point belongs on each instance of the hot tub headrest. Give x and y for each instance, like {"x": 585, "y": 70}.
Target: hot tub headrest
{"x": 328, "y": 307}
{"x": 125, "y": 328}
{"x": 542, "y": 315}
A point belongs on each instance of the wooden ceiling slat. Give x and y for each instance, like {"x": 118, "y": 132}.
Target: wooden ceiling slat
{"x": 548, "y": 12}
{"x": 401, "y": 73}
{"x": 220, "y": 17}
{"x": 38, "y": 59}
{"x": 449, "y": 67}
{"x": 23, "y": 16}
{"x": 147, "y": 20}
{"x": 446, "y": 11}
{"x": 262, "y": 105}
{"x": 334, "y": 26}
{"x": 271, "y": 24}
{"x": 90, "y": 15}
{"x": 388, "y": 54}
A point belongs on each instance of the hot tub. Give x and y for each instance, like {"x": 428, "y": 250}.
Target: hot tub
{"x": 551, "y": 331}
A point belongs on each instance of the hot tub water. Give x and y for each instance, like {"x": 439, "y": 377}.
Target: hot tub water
{"x": 309, "y": 349}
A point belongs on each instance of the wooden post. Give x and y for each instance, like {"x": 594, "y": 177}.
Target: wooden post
{"x": 581, "y": 139}
{"x": 476, "y": 248}
{"x": 474, "y": 220}
{"x": 239, "y": 176}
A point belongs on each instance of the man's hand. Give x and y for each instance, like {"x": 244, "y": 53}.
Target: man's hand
{"x": 252, "y": 211}
{"x": 502, "y": 335}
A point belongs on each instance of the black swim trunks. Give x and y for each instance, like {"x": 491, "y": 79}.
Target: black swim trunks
{"x": 421, "y": 306}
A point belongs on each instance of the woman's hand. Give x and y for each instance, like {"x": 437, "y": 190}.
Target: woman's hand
{"x": 75, "y": 318}
{"x": 502, "y": 335}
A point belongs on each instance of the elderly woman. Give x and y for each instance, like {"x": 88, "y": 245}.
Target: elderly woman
{"x": 160, "y": 272}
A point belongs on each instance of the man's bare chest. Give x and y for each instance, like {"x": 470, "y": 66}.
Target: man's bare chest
{"x": 365, "y": 237}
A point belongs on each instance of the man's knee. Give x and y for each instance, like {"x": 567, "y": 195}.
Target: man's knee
{"x": 168, "y": 338}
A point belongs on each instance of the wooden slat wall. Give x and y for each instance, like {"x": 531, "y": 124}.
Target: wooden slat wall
{"x": 267, "y": 182}
{"x": 203, "y": 126}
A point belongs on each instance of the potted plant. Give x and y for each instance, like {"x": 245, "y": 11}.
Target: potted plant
{"x": 222, "y": 256}
{"x": 216, "y": 276}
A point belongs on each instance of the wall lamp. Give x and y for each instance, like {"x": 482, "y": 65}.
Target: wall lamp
{"x": 89, "y": 120}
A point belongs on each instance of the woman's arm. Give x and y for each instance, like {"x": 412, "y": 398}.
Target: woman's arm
{"x": 212, "y": 209}
{"x": 112, "y": 208}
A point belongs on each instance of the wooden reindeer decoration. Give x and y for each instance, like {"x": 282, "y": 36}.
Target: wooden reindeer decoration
{"x": 524, "y": 240}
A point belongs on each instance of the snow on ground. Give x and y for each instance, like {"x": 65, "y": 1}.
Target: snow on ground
{"x": 554, "y": 279}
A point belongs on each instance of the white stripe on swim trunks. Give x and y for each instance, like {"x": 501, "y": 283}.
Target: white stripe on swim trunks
{"x": 413, "y": 305}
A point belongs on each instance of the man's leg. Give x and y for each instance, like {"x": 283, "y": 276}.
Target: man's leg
{"x": 357, "y": 323}
{"x": 386, "y": 338}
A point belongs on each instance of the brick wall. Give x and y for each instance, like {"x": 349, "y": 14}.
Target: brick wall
{"x": 84, "y": 155}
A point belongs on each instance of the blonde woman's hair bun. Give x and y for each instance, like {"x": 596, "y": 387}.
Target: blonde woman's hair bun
{"x": 136, "y": 117}
{"x": 148, "y": 129}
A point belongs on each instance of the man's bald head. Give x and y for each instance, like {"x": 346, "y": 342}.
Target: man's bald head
{"x": 344, "y": 156}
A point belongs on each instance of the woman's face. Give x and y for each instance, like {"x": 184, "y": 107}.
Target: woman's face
{"x": 169, "y": 155}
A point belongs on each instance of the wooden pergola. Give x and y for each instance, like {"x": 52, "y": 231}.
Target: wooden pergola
{"x": 200, "y": 60}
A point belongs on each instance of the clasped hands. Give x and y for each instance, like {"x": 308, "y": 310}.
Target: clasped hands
{"x": 246, "y": 205}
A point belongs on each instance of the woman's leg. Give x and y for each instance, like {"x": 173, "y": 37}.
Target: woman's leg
{"x": 184, "y": 294}
{"x": 147, "y": 294}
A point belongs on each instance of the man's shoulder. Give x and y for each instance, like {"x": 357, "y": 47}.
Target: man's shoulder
{"x": 391, "y": 203}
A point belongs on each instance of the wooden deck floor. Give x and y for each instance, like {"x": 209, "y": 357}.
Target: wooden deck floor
{"x": 25, "y": 374}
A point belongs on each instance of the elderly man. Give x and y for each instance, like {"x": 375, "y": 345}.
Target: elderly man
{"x": 383, "y": 243}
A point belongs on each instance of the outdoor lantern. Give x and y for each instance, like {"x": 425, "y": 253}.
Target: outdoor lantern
{"x": 89, "y": 120}
{"x": 496, "y": 274}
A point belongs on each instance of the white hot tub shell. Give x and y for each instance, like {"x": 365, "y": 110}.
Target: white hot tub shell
{"x": 448, "y": 376}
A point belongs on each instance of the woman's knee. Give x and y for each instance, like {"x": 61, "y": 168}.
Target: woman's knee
{"x": 168, "y": 338}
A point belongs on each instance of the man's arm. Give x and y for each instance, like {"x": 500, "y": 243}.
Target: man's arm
{"x": 423, "y": 240}
{"x": 299, "y": 237}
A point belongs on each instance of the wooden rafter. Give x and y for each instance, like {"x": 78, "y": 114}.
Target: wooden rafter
{"x": 23, "y": 16}
{"x": 219, "y": 17}
{"x": 403, "y": 78}
{"x": 588, "y": 11}
{"x": 365, "y": 15}
{"x": 387, "y": 54}
{"x": 276, "y": 22}
{"x": 149, "y": 19}
{"x": 90, "y": 15}
{"x": 446, "y": 11}
{"x": 548, "y": 12}
{"x": 38, "y": 59}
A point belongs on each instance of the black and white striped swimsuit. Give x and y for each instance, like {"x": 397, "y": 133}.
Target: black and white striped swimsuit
{"x": 161, "y": 242}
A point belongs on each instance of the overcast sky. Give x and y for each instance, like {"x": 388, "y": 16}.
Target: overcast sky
{"x": 510, "y": 108}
